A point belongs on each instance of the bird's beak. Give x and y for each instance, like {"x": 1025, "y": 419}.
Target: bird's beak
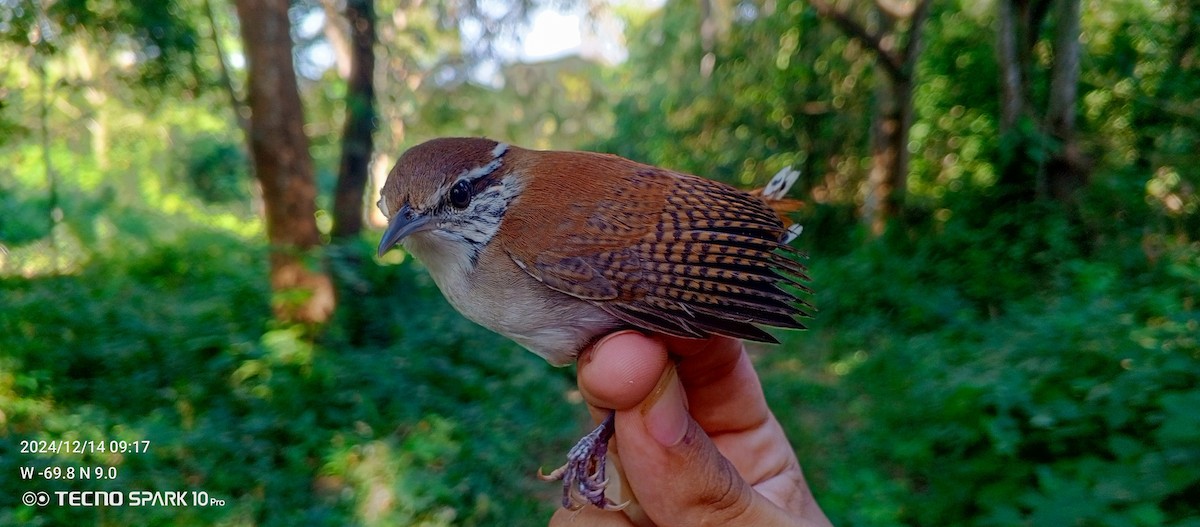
{"x": 405, "y": 222}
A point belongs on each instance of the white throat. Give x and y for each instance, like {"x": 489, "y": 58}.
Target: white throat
{"x": 451, "y": 249}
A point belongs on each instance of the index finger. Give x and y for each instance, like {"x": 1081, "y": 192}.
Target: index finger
{"x": 723, "y": 391}
{"x": 726, "y": 399}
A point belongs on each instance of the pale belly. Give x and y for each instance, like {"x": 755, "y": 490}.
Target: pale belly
{"x": 553, "y": 325}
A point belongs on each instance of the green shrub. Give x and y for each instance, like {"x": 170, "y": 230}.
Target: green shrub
{"x": 173, "y": 343}
{"x": 1073, "y": 406}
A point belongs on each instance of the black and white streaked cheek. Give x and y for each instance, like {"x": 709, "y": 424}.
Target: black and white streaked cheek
{"x": 478, "y": 223}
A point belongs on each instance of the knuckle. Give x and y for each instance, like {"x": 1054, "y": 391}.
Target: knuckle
{"x": 726, "y": 497}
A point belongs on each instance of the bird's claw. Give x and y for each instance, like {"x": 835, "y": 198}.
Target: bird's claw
{"x": 583, "y": 475}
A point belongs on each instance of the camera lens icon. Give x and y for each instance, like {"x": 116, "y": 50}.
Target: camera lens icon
{"x": 41, "y": 499}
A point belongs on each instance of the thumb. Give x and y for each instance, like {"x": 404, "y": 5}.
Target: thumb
{"x": 677, "y": 472}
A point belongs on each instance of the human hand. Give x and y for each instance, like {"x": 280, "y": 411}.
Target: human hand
{"x": 696, "y": 448}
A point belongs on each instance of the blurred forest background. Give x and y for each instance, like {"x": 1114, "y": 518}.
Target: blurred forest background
{"x": 1002, "y": 222}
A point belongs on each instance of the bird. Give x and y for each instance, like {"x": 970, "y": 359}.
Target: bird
{"x": 555, "y": 249}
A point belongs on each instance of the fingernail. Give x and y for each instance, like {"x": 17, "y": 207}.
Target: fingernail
{"x": 667, "y": 417}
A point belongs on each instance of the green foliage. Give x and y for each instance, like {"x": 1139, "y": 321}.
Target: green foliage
{"x": 911, "y": 402}
{"x": 10, "y": 128}
{"x": 992, "y": 360}
{"x": 161, "y": 36}
{"x": 1070, "y": 407}
{"x": 560, "y": 104}
{"x": 956, "y": 100}
{"x": 173, "y": 344}
{"x": 26, "y": 215}
{"x": 780, "y": 91}
{"x": 217, "y": 169}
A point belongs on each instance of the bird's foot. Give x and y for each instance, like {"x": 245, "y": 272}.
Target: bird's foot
{"x": 583, "y": 475}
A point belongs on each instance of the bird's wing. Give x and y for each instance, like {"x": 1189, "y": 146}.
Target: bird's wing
{"x": 666, "y": 252}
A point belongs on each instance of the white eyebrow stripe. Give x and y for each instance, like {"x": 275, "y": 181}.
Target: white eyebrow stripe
{"x": 478, "y": 172}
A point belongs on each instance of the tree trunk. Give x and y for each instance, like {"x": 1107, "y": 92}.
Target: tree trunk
{"x": 1018, "y": 171}
{"x": 282, "y": 164}
{"x": 1064, "y": 78}
{"x": 888, "y": 179}
{"x": 357, "y": 142}
{"x": 1032, "y": 167}
{"x": 1066, "y": 171}
{"x": 1012, "y": 97}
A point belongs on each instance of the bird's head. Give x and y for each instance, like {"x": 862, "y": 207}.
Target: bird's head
{"x": 447, "y": 197}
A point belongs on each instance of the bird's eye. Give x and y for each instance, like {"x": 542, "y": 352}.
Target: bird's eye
{"x": 460, "y": 195}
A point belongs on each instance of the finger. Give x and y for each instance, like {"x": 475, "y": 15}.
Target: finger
{"x": 723, "y": 392}
{"x": 621, "y": 369}
{"x": 589, "y": 517}
{"x": 725, "y": 398}
{"x": 677, "y": 472}
{"x": 721, "y": 383}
